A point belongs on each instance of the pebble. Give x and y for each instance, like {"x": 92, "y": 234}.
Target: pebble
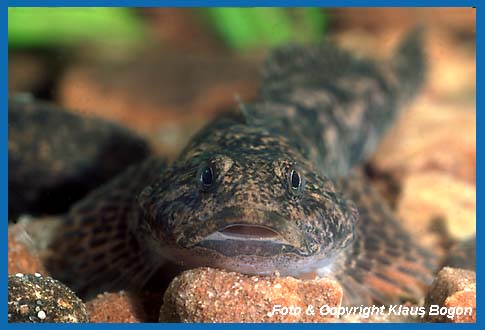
{"x": 34, "y": 299}
{"x": 20, "y": 258}
{"x": 453, "y": 289}
{"x": 123, "y": 307}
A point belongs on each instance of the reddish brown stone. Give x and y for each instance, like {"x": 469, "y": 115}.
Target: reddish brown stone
{"x": 20, "y": 258}
{"x": 454, "y": 289}
{"x": 377, "y": 19}
{"x": 123, "y": 307}
{"x": 463, "y": 299}
{"x": 210, "y": 295}
{"x": 113, "y": 308}
{"x": 434, "y": 166}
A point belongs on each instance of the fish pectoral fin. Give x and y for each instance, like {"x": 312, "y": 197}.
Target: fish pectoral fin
{"x": 385, "y": 265}
{"x": 95, "y": 248}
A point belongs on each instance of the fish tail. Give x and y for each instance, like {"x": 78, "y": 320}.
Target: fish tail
{"x": 409, "y": 63}
{"x": 345, "y": 103}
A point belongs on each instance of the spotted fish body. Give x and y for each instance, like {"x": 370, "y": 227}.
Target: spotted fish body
{"x": 270, "y": 187}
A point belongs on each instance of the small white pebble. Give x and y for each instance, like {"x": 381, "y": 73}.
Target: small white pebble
{"x": 19, "y": 275}
{"x": 37, "y": 275}
{"x": 41, "y": 315}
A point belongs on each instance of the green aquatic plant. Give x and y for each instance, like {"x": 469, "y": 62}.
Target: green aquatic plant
{"x": 248, "y": 28}
{"x": 53, "y": 27}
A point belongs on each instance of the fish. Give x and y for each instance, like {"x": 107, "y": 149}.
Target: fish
{"x": 273, "y": 186}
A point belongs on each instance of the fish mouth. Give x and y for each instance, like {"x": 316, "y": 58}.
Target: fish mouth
{"x": 237, "y": 231}
{"x": 246, "y": 232}
{"x": 245, "y": 239}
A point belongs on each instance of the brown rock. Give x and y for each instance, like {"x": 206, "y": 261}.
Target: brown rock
{"x": 424, "y": 139}
{"x": 454, "y": 20}
{"x": 210, "y": 295}
{"x": 461, "y": 300}
{"x": 430, "y": 196}
{"x": 20, "y": 258}
{"x": 122, "y": 307}
{"x": 455, "y": 290}
{"x": 436, "y": 167}
{"x": 452, "y": 67}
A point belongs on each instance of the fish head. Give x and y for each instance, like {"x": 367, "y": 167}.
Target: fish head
{"x": 252, "y": 204}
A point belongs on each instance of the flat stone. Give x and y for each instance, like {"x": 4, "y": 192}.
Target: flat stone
{"x": 210, "y": 295}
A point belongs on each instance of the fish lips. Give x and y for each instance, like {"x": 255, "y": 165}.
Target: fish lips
{"x": 258, "y": 232}
{"x": 237, "y": 240}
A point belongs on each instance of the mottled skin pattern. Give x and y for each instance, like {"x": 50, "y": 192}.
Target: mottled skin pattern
{"x": 267, "y": 188}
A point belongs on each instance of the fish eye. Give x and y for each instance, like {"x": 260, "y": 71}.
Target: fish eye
{"x": 296, "y": 181}
{"x": 206, "y": 176}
